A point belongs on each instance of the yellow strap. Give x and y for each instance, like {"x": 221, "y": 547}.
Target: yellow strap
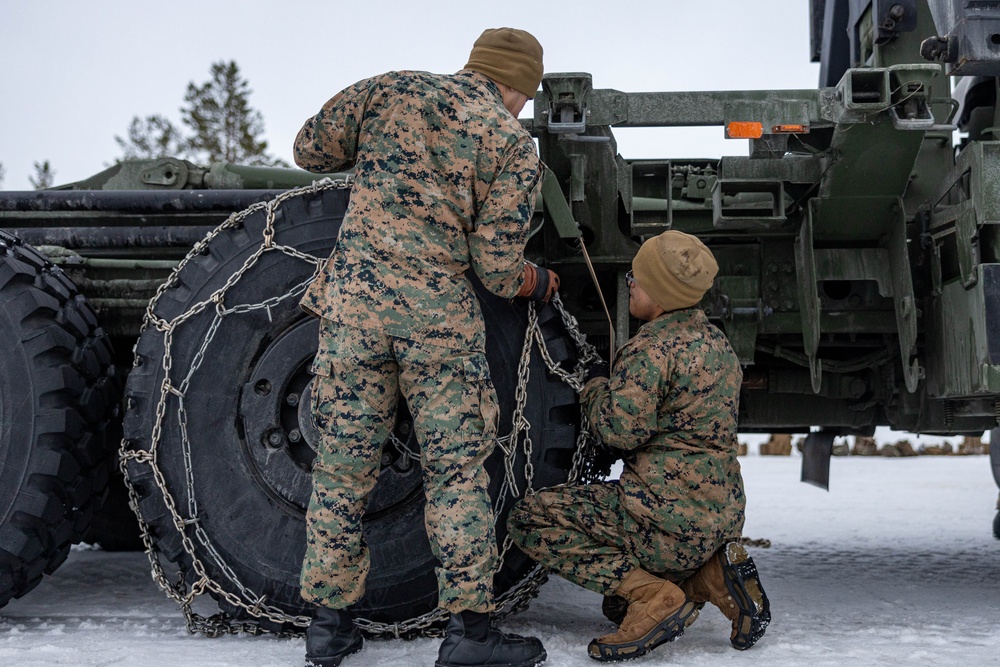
{"x": 607, "y": 313}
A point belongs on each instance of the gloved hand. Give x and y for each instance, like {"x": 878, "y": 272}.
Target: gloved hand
{"x": 597, "y": 369}
{"x": 539, "y": 284}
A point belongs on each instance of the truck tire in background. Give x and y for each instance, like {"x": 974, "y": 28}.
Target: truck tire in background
{"x": 58, "y": 391}
{"x": 250, "y": 434}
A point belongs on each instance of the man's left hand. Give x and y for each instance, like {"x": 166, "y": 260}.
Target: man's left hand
{"x": 597, "y": 369}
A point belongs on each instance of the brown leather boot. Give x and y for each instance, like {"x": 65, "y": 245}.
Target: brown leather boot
{"x": 729, "y": 580}
{"x": 658, "y": 612}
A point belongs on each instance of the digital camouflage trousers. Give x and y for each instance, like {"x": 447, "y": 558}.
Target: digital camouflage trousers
{"x": 359, "y": 376}
{"x": 584, "y": 534}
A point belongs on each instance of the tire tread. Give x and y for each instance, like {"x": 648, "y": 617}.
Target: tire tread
{"x": 69, "y": 360}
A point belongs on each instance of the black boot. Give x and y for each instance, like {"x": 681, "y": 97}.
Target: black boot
{"x": 471, "y": 641}
{"x": 614, "y": 608}
{"x": 331, "y": 637}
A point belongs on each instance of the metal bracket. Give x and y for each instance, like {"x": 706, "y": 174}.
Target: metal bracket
{"x": 167, "y": 173}
{"x": 903, "y": 298}
{"x": 567, "y": 108}
{"x": 865, "y": 91}
{"x": 809, "y": 304}
{"x": 966, "y": 237}
{"x": 891, "y": 17}
{"x": 557, "y": 207}
{"x": 855, "y": 264}
{"x": 622, "y": 314}
{"x": 923, "y": 122}
{"x": 731, "y": 210}
{"x": 741, "y": 315}
{"x": 865, "y": 264}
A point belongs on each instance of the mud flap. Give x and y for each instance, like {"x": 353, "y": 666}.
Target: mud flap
{"x": 816, "y": 459}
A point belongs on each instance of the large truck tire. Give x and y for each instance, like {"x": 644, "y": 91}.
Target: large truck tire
{"x": 248, "y": 448}
{"x": 58, "y": 390}
{"x": 115, "y": 527}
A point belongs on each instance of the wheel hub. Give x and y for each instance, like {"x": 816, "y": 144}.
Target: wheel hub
{"x": 280, "y": 437}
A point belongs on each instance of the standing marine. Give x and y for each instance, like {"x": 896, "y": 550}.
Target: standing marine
{"x": 444, "y": 184}
{"x": 662, "y": 539}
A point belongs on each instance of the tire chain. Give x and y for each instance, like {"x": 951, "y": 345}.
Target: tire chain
{"x": 184, "y": 594}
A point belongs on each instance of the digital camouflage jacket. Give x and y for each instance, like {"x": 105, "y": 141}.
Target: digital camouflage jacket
{"x": 444, "y": 183}
{"x": 671, "y": 405}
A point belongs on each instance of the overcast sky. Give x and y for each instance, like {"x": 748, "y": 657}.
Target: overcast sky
{"x": 74, "y": 73}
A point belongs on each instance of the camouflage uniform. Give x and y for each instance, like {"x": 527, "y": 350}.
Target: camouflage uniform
{"x": 671, "y": 404}
{"x": 444, "y": 182}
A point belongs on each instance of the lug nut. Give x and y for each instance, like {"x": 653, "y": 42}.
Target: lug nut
{"x": 292, "y": 399}
{"x": 276, "y": 438}
{"x": 294, "y": 435}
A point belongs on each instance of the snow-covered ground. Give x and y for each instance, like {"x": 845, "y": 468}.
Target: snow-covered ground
{"x": 895, "y": 565}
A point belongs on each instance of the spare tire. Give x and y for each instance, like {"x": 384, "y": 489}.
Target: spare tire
{"x": 58, "y": 390}
{"x": 230, "y": 441}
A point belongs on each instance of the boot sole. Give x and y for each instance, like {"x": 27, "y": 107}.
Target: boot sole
{"x": 334, "y": 661}
{"x": 743, "y": 582}
{"x": 533, "y": 662}
{"x": 667, "y": 630}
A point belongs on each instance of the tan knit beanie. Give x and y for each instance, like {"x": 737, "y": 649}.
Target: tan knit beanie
{"x": 675, "y": 269}
{"x": 508, "y": 56}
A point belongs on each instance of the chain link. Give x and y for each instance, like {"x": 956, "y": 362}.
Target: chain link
{"x": 230, "y": 589}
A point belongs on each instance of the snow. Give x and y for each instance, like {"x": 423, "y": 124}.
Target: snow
{"x": 895, "y": 565}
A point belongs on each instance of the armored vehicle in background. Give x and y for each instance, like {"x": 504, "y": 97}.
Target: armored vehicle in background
{"x": 859, "y": 283}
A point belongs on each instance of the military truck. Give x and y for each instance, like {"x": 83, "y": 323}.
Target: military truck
{"x": 155, "y": 304}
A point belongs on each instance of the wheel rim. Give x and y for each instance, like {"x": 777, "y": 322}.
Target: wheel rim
{"x": 280, "y": 437}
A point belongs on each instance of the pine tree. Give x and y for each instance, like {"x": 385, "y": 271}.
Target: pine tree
{"x": 151, "y": 137}
{"x": 44, "y": 176}
{"x": 224, "y": 127}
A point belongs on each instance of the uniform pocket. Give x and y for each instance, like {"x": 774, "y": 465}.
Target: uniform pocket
{"x": 329, "y": 335}
{"x": 321, "y": 386}
{"x": 477, "y": 374}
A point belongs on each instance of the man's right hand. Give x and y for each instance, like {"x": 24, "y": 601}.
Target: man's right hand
{"x": 539, "y": 284}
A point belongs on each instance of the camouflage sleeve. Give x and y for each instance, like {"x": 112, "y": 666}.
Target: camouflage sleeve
{"x": 496, "y": 245}
{"x": 329, "y": 140}
{"x": 623, "y": 409}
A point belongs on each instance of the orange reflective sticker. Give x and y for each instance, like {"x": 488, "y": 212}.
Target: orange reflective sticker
{"x": 790, "y": 129}
{"x": 744, "y": 130}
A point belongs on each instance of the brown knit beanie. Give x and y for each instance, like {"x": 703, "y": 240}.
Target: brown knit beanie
{"x": 675, "y": 269}
{"x": 508, "y": 56}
